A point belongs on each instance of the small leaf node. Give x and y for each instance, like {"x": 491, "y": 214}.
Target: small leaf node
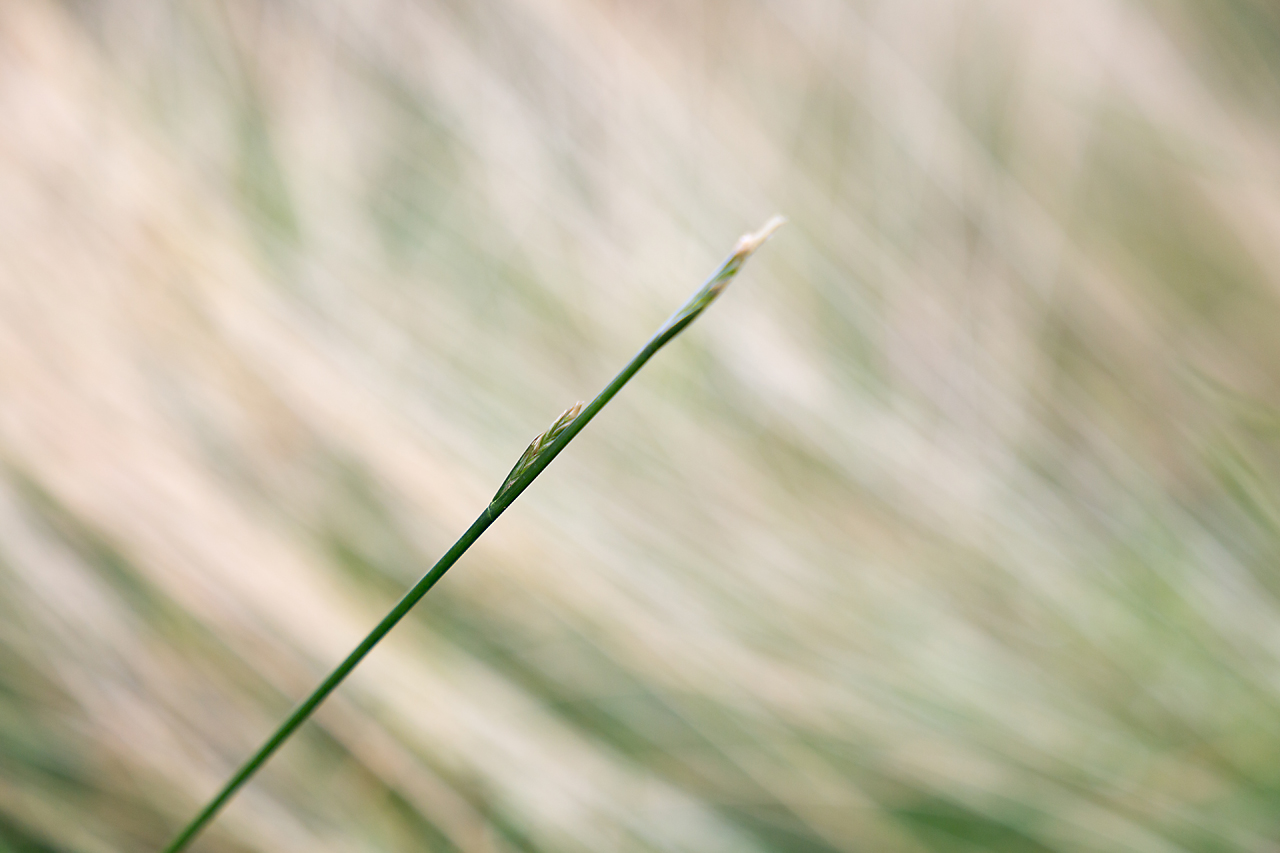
{"x": 537, "y": 446}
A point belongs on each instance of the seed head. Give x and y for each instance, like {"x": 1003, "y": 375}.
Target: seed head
{"x": 537, "y": 446}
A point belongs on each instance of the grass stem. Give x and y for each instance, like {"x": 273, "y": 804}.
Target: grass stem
{"x": 535, "y": 459}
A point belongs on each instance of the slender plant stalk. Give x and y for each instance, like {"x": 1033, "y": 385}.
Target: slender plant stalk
{"x": 536, "y": 458}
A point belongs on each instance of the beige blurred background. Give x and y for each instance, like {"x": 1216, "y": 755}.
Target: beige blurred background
{"x": 954, "y": 526}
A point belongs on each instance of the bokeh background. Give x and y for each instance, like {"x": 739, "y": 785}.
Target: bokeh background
{"x": 953, "y": 526}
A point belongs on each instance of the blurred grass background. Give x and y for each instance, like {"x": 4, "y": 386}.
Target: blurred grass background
{"x": 955, "y": 525}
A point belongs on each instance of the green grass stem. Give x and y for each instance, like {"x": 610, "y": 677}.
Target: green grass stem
{"x": 535, "y": 459}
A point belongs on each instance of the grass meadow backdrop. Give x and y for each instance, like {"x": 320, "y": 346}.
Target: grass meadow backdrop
{"x": 954, "y": 525}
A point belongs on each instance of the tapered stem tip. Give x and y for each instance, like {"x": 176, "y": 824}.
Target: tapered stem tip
{"x": 748, "y": 243}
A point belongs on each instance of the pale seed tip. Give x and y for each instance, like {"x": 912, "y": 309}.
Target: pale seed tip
{"x": 748, "y": 243}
